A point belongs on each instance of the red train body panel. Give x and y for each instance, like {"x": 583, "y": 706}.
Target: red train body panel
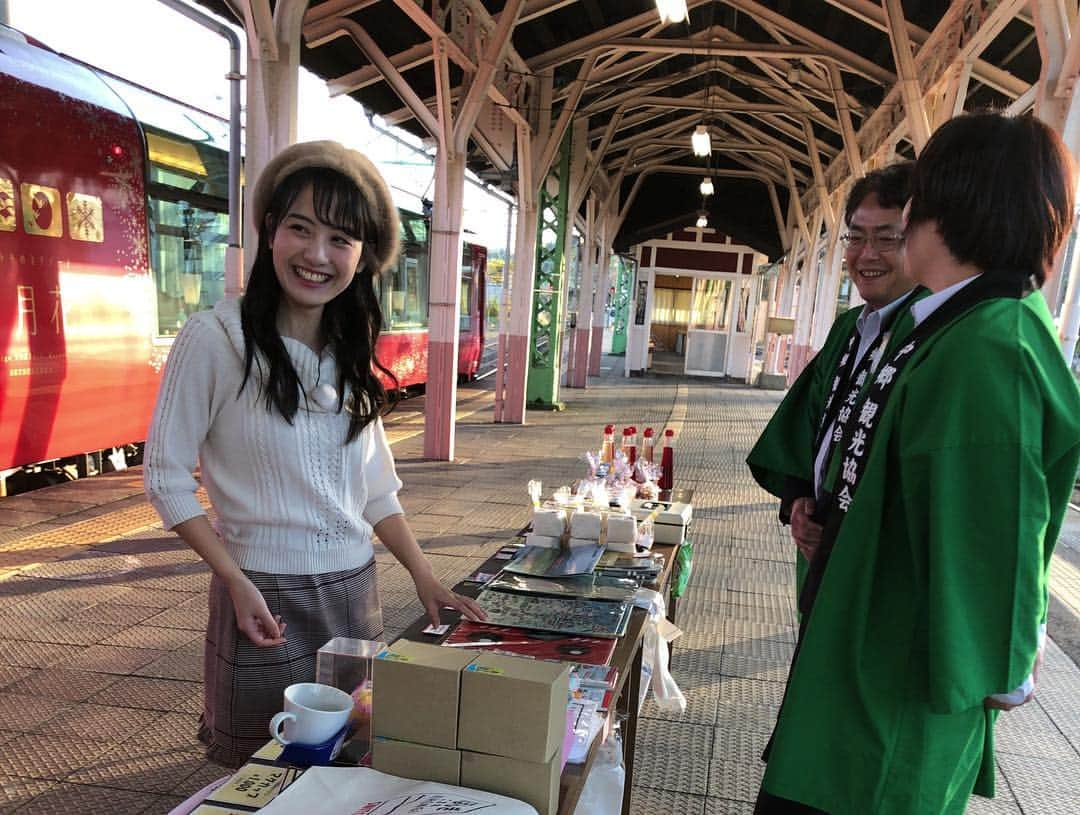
{"x": 76, "y": 356}
{"x": 81, "y": 342}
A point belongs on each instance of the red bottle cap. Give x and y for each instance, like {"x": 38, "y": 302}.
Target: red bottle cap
{"x": 648, "y": 432}
{"x": 609, "y": 428}
{"x": 669, "y": 432}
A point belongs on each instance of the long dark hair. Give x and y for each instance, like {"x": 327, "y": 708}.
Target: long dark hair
{"x": 351, "y": 322}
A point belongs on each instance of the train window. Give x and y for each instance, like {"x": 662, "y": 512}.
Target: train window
{"x": 404, "y": 289}
{"x": 466, "y": 276}
{"x": 189, "y": 225}
{"x": 187, "y": 247}
{"x": 465, "y": 310}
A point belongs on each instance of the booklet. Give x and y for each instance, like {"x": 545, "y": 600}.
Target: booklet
{"x": 362, "y": 791}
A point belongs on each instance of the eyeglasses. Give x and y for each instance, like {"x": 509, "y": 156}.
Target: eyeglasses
{"x": 855, "y": 241}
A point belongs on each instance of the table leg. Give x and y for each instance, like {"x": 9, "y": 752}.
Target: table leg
{"x": 631, "y": 693}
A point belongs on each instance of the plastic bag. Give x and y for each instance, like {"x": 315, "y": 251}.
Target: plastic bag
{"x": 602, "y": 793}
{"x": 659, "y": 631}
{"x": 684, "y": 564}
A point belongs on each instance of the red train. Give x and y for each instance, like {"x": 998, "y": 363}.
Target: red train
{"x": 113, "y": 227}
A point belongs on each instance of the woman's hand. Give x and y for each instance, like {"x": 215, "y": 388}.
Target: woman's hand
{"x": 253, "y": 617}
{"x": 434, "y": 595}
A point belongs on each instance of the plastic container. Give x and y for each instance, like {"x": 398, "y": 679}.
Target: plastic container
{"x": 345, "y": 663}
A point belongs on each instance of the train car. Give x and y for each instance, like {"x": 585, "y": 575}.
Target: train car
{"x": 403, "y": 345}
{"x": 113, "y": 229}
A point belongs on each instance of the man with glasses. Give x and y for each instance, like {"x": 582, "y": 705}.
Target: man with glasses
{"x": 793, "y": 454}
{"x": 958, "y": 463}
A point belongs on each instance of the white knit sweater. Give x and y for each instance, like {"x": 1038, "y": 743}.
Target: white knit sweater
{"x": 290, "y": 499}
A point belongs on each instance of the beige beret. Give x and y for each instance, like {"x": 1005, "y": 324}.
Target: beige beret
{"x": 351, "y": 164}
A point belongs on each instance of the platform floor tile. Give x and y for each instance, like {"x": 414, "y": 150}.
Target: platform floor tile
{"x": 726, "y": 806}
{"x": 650, "y": 801}
{"x": 149, "y": 693}
{"x": 32, "y": 755}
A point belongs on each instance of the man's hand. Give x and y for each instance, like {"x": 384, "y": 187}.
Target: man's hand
{"x": 804, "y": 531}
{"x": 1009, "y": 701}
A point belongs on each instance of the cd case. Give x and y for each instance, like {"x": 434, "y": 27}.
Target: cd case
{"x": 540, "y": 561}
{"x": 592, "y": 587}
{"x": 574, "y": 615}
{"x": 592, "y": 651}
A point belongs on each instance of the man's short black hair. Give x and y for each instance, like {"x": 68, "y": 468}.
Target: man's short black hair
{"x": 891, "y": 184}
{"x": 1000, "y": 191}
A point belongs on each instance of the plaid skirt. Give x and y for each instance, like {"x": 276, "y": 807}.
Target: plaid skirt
{"x": 243, "y": 683}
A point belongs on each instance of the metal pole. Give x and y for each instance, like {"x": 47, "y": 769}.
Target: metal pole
{"x": 234, "y": 273}
{"x": 1070, "y": 310}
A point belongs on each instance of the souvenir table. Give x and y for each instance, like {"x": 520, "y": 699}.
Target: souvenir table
{"x": 269, "y": 775}
{"x": 626, "y": 658}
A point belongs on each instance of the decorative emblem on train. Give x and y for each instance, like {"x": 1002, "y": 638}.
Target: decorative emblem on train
{"x": 84, "y": 217}
{"x": 42, "y": 213}
{"x": 7, "y": 205}
{"x": 41, "y": 210}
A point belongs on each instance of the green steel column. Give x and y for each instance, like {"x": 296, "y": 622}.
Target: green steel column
{"x": 545, "y": 339}
{"x": 624, "y": 281}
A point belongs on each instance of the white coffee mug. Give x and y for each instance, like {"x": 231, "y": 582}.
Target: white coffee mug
{"x": 313, "y": 713}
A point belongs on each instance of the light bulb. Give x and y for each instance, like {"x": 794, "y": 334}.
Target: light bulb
{"x": 700, "y": 141}
{"x": 671, "y": 11}
{"x": 706, "y": 186}
{"x": 702, "y": 220}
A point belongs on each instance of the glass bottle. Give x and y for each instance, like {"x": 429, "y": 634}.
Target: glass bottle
{"x": 667, "y": 463}
{"x": 629, "y": 448}
{"x": 648, "y": 443}
{"x": 607, "y": 449}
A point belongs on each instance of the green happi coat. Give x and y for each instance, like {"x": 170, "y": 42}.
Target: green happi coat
{"x": 937, "y": 582}
{"x": 782, "y": 459}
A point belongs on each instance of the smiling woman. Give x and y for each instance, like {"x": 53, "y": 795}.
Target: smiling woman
{"x": 278, "y": 399}
{"x": 314, "y": 262}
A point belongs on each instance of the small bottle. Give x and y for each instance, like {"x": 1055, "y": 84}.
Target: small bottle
{"x": 629, "y": 446}
{"x": 607, "y": 450}
{"x": 648, "y": 443}
{"x": 667, "y": 463}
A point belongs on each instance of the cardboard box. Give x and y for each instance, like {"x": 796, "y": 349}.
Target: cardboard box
{"x": 513, "y": 707}
{"x": 416, "y": 689}
{"x": 670, "y": 523}
{"x": 533, "y": 783}
{"x": 417, "y": 761}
